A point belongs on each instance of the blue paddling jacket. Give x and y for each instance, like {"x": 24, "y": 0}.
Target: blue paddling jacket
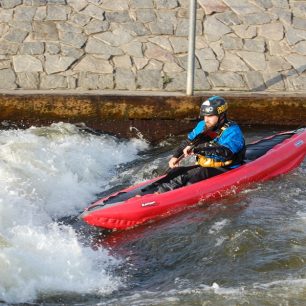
{"x": 222, "y": 148}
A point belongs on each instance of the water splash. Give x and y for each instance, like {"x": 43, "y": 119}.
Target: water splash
{"x": 47, "y": 173}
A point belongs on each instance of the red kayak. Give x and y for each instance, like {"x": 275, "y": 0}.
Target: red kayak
{"x": 264, "y": 160}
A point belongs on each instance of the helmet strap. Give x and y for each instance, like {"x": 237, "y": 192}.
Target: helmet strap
{"x": 222, "y": 119}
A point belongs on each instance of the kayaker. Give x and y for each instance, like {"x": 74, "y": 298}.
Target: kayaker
{"x": 217, "y": 142}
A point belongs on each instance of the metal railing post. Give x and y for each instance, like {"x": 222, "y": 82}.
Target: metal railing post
{"x": 191, "y": 47}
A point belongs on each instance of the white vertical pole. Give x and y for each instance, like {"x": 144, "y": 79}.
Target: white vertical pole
{"x": 191, "y": 48}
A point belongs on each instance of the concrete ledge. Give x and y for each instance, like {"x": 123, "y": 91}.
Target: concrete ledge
{"x": 154, "y": 114}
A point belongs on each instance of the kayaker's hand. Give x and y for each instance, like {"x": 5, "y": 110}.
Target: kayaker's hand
{"x": 173, "y": 162}
{"x": 188, "y": 151}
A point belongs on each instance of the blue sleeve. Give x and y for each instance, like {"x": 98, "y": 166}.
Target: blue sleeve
{"x": 197, "y": 130}
{"x": 232, "y": 138}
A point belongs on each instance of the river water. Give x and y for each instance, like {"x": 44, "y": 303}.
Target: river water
{"x": 246, "y": 249}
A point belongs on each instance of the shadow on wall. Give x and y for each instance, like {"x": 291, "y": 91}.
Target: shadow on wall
{"x": 278, "y": 78}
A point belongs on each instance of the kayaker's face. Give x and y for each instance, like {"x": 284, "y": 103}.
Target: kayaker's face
{"x": 211, "y": 121}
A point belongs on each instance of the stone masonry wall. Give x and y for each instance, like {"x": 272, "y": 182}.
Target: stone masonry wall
{"x": 257, "y": 45}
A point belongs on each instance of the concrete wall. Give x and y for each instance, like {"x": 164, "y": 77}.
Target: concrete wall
{"x": 257, "y": 45}
{"x": 156, "y": 116}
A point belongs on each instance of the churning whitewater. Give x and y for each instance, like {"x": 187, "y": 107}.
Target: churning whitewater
{"x": 48, "y": 173}
{"x": 247, "y": 248}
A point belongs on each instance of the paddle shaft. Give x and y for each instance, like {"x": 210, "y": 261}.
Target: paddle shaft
{"x": 193, "y": 144}
{"x": 196, "y": 141}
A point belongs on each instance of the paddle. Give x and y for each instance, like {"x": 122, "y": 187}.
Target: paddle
{"x": 181, "y": 157}
{"x": 192, "y": 145}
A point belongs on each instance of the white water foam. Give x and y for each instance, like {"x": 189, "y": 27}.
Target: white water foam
{"x": 218, "y": 226}
{"x": 47, "y": 173}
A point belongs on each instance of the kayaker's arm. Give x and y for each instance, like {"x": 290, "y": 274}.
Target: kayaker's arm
{"x": 217, "y": 150}
{"x": 179, "y": 150}
{"x": 179, "y": 154}
{"x": 201, "y": 138}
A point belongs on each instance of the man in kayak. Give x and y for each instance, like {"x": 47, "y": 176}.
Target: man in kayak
{"x": 217, "y": 143}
